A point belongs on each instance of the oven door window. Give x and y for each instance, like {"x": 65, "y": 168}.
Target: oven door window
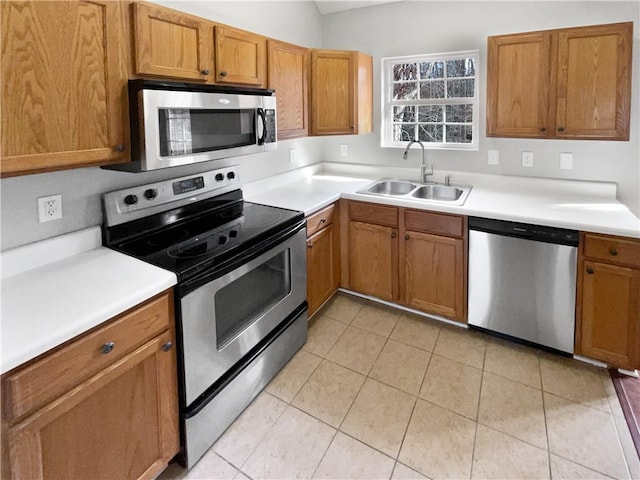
{"x": 245, "y": 299}
{"x": 188, "y": 131}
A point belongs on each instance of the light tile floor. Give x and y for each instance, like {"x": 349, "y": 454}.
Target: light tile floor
{"x": 377, "y": 393}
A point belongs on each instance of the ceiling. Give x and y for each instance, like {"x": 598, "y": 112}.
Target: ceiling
{"x": 332, "y": 6}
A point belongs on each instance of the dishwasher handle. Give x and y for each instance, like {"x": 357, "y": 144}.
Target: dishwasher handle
{"x": 538, "y": 233}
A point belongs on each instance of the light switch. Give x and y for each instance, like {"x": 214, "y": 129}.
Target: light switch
{"x": 566, "y": 161}
{"x": 494, "y": 157}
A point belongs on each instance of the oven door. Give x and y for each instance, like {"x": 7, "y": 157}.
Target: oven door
{"x": 223, "y": 319}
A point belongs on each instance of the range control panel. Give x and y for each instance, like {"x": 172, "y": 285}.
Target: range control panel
{"x": 136, "y": 202}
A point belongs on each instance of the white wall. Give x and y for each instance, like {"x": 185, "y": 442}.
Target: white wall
{"x": 414, "y": 27}
{"x": 298, "y": 22}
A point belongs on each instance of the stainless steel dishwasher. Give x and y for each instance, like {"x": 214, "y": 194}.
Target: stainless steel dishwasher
{"x": 522, "y": 281}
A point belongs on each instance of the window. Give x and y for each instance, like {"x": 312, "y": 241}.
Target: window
{"x": 431, "y": 98}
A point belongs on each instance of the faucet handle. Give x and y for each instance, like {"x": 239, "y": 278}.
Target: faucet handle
{"x": 446, "y": 180}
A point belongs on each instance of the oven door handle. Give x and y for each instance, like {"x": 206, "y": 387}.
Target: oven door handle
{"x": 263, "y": 116}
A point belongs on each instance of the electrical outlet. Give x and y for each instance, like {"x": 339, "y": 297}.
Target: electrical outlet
{"x": 566, "y": 161}
{"x": 49, "y": 208}
{"x": 494, "y": 157}
{"x": 292, "y": 155}
{"x": 527, "y": 159}
{"x": 344, "y": 150}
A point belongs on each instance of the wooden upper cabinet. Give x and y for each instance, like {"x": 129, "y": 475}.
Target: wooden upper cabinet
{"x": 287, "y": 75}
{"x": 241, "y": 57}
{"x": 594, "y": 82}
{"x": 172, "y": 44}
{"x": 572, "y": 83}
{"x": 518, "y": 85}
{"x": 64, "y": 75}
{"x": 341, "y": 92}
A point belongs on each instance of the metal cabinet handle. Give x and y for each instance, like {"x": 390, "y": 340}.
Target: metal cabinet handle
{"x": 323, "y": 220}
{"x": 406, "y": 237}
{"x": 107, "y": 347}
{"x": 543, "y": 129}
{"x": 613, "y": 251}
{"x": 394, "y": 234}
{"x": 309, "y": 245}
{"x": 167, "y": 346}
{"x": 561, "y": 129}
{"x": 223, "y": 73}
{"x": 204, "y": 72}
{"x": 589, "y": 270}
{"x": 120, "y": 148}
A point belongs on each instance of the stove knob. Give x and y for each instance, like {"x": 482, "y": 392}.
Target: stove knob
{"x": 151, "y": 193}
{"x": 222, "y": 240}
{"x": 219, "y": 177}
{"x": 131, "y": 199}
{"x": 231, "y": 175}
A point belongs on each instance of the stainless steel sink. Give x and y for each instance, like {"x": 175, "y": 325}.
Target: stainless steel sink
{"x": 438, "y": 192}
{"x": 391, "y": 187}
{"x": 418, "y": 191}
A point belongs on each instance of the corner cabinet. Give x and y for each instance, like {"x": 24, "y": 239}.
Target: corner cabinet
{"x": 64, "y": 76}
{"x": 572, "y": 83}
{"x": 323, "y": 256}
{"x": 413, "y": 257}
{"x": 102, "y": 406}
{"x": 287, "y": 74}
{"x": 341, "y": 92}
{"x": 172, "y": 44}
{"x": 608, "y": 306}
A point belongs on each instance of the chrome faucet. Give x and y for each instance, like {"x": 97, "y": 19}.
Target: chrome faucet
{"x": 423, "y": 166}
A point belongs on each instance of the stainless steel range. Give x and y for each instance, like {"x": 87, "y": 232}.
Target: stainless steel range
{"x": 241, "y": 310}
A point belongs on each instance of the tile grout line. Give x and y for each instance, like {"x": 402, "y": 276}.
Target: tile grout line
{"x": 477, "y": 422}
{"x": 544, "y": 411}
{"x": 325, "y": 452}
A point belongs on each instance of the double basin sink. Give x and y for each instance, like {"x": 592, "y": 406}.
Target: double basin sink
{"x": 430, "y": 192}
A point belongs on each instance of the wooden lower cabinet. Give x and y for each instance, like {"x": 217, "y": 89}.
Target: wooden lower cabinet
{"x": 608, "y": 307}
{"x": 120, "y": 423}
{"x": 373, "y": 260}
{"x": 433, "y": 267}
{"x": 323, "y": 256}
{"x": 412, "y": 257}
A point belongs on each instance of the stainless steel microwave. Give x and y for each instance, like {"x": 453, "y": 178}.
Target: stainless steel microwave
{"x": 175, "y": 124}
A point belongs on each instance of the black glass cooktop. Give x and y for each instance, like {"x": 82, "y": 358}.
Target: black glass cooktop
{"x": 190, "y": 240}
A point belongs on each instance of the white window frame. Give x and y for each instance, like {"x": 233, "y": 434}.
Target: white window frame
{"x": 387, "y": 102}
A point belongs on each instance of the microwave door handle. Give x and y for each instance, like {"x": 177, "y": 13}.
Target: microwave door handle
{"x": 263, "y": 137}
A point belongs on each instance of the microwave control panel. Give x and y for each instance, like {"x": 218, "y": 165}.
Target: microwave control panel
{"x": 270, "y": 121}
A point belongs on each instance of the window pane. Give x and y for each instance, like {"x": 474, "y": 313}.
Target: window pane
{"x": 430, "y": 113}
{"x": 405, "y": 91}
{"x": 430, "y": 133}
{"x": 460, "y": 113}
{"x": 460, "y": 88}
{"x": 405, "y": 114}
{"x": 461, "y": 68}
{"x": 431, "y": 70}
{"x": 403, "y": 132}
{"x": 432, "y": 89}
{"x": 405, "y": 71}
{"x": 459, "y": 134}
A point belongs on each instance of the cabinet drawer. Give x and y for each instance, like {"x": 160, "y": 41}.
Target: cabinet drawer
{"x": 439, "y": 223}
{"x": 612, "y": 249}
{"x": 372, "y": 213}
{"x": 57, "y": 373}
{"x": 319, "y": 220}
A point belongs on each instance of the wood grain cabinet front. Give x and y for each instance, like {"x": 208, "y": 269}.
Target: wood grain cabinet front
{"x": 341, "y": 92}
{"x": 63, "y": 85}
{"x": 608, "y": 300}
{"x": 116, "y": 420}
{"x": 241, "y": 57}
{"x": 572, "y": 83}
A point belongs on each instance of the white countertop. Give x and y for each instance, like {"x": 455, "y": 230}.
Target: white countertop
{"x": 46, "y": 304}
{"x": 578, "y": 205}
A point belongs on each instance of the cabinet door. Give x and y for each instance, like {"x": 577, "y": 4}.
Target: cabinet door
{"x": 518, "y": 85}
{"x": 610, "y": 314}
{"x": 323, "y": 272}
{"x": 241, "y": 57}
{"x": 171, "y": 44}
{"x": 63, "y": 82}
{"x": 333, "y": 95}
{"x": 288, "y": 66}
{"x": 373, "y": 260}
{"x": 594, "y": 82}
{"x": 121, "y": 423}
{"x": 434, "y": 276}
